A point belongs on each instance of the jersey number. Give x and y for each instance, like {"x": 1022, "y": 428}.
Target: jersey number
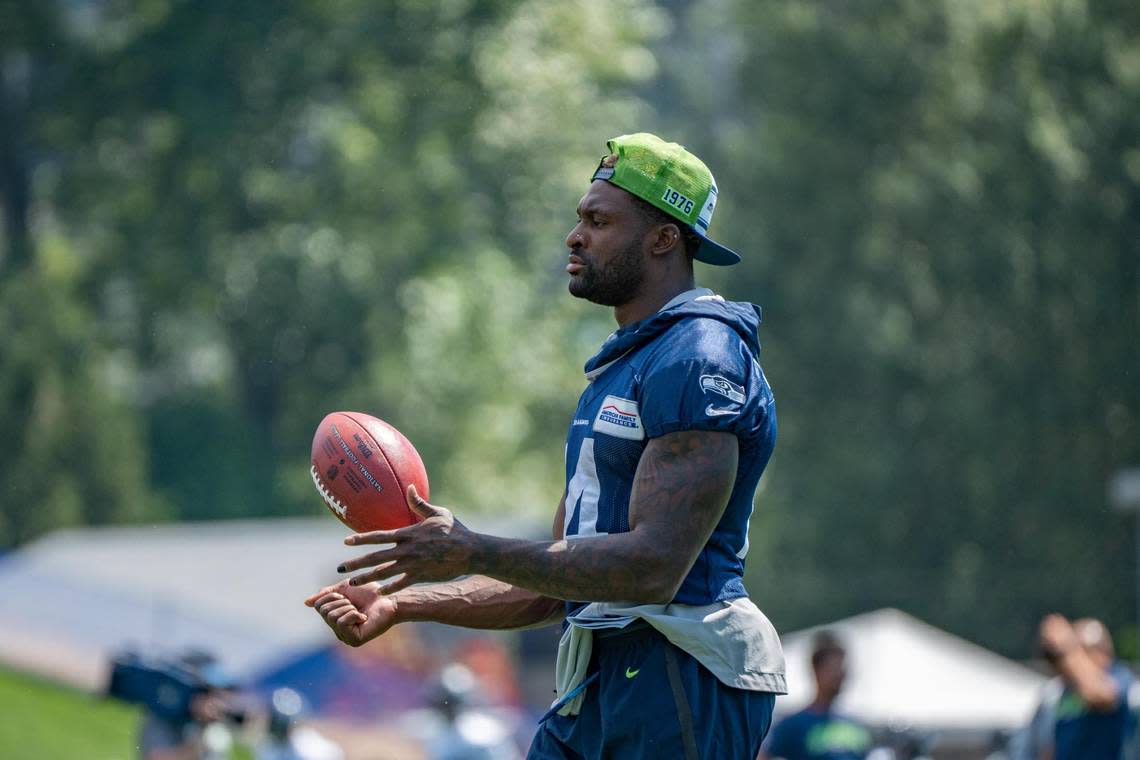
{"x": 582, "y": 495}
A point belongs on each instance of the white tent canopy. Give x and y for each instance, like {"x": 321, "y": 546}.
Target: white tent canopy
{"x": 904, "y": 673}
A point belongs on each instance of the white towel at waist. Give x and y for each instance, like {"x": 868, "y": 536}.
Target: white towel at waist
{"x": 733, "y": 639}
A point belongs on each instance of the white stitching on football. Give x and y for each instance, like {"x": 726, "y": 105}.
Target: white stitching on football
{"x": 330, "y": 500}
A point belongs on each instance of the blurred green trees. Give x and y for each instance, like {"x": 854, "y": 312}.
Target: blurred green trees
{"x": 943, "y": 206}
{"x": 222, "y": 222}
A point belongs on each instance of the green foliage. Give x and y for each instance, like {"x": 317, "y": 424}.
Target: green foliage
{"x": 222, "y": 222}
{"x": 942, "y": 224}
{"x": 257, "y": 202}
{"x": 72, "y": 451}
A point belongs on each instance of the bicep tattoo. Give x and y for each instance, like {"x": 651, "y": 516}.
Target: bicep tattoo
{"x": 683, "y": 483}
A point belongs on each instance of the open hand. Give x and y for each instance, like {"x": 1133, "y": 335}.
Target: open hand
{"x": 356, "y": 614}
{"x": 437, "y": 549}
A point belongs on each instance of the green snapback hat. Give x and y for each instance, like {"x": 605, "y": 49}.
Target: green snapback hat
{"x": 671, "y": 178}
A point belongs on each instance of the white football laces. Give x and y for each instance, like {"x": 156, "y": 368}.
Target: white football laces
{"x": 330, "y": 501}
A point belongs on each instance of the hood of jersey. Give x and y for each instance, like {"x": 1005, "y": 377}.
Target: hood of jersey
{"x": 744, "y": 318}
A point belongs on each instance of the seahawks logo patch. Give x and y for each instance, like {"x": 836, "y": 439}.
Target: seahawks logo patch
{"x": 723, "y": 387}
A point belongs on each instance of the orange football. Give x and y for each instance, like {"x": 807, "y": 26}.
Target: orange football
{"x": 362, "y": 467}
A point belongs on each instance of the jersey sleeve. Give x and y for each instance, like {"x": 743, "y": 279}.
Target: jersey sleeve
{"x": 706, "y": 381}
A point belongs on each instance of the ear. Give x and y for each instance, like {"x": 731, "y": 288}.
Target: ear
{"x": 664, "y": 238}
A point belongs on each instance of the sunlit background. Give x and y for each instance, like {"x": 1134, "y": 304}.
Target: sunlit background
{"x": 223, "y": 220}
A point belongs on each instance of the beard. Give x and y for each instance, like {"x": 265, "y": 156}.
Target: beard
{"x": 614, "y": 284}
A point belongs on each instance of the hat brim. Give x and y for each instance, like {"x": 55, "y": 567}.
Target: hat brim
{"x": 714, "y": 253}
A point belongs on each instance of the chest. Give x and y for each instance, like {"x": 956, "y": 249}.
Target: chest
{"x": 609, "y": 408}
{"x": 603, "y": 448}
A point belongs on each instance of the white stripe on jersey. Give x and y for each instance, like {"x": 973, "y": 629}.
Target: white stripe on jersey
{"x": 583, "y": 493}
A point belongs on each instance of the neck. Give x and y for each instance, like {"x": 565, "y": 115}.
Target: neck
{"x": 651, "y": 300}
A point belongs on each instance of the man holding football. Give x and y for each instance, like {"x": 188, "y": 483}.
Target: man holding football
{"x": 662, "y": 652}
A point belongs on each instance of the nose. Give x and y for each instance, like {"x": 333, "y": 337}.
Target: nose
{"x": 574, "y": 238}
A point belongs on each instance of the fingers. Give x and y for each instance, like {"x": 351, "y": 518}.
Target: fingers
{"x": 376, "y": 537}
{"x": 332, "y": 604}
{"x": 312, "y": 600}
{"x": 419, "y": 505}
{"x": 374, "y": 559}
{"x": 338, "y": 612}
{"x": 324, "y": 595}
{"x": 378, "y": 573}
{"x": 330, "y": 610}
{"x": 345, "y": 617}
{"x": 416, "y": 503}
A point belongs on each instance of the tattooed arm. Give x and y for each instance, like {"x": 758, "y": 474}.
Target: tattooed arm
{"x": 682, "y": 485}
{"x": 358, "y": 613}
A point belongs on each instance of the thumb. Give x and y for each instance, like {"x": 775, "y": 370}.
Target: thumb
{"x": 417, "y": 504}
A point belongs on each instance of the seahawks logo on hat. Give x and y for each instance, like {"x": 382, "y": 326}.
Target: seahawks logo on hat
{"x": 704, "y": 219}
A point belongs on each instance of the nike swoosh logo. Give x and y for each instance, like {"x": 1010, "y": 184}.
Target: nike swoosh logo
{"x": 713, "y": 411}
{"x": 630, "y": 672}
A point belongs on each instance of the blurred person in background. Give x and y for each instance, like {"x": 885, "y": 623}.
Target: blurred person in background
{"x": 1084, "y": 712}
{"x": 204, "y": 732}
{"x": 286, "y": 739}
{"x": 817, "y": 732}
{"x": 466, "y": 731}
{"x": 999, "y": 746}
{"x": 1132, "y": 734}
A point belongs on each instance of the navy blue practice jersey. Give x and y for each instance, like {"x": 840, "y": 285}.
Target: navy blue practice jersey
{"x": 691, "y": 366}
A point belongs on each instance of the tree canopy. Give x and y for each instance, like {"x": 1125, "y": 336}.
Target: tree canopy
{"x": 221, "y": 222}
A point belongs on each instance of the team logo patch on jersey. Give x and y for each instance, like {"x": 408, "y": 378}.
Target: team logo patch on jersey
{"x": 620, "y": 418}
{"x": 724, "y": 387}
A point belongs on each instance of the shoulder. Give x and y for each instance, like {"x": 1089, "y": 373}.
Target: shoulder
{"x": 696, "y": 341}
{"x": 703, "y": 374}
{"x": 703, "y": 333}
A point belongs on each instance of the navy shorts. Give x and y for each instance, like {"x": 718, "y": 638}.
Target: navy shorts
{"x": 650, "y": 699}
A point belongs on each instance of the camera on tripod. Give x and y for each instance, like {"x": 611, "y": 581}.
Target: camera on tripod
{"x": 168, "y": 687}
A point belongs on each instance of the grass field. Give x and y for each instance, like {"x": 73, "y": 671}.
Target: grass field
{"x": 41, "y": 719}
{"x": 45, "y": 721}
